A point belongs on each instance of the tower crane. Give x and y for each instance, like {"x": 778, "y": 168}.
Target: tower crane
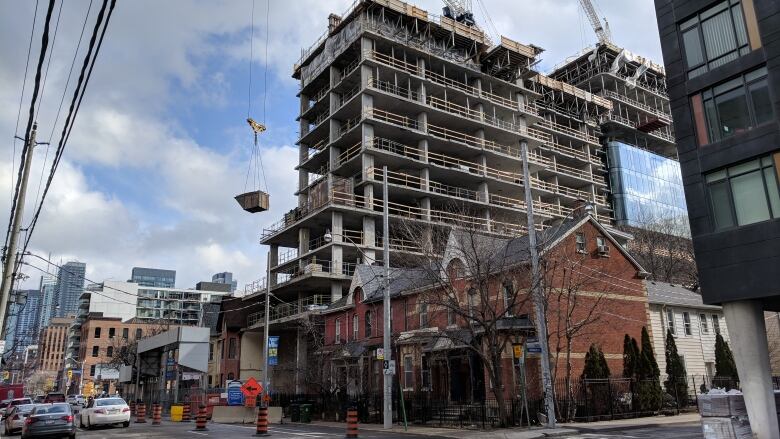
{"x": 602, "y": 32}
{"x": 459, "y": 10}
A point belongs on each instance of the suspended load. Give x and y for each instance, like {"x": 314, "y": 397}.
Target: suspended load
{"x": 255, "y": 201}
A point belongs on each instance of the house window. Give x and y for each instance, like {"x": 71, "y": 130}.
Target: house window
{"x": 408, "y": 372}
{"x": 736, "y": 106}
{"x": 92, "y": 370}
{"x": 705, "y": 329}
{"x": 471, "y": 299}
{"x": 338, "y": 331}
{"x": 232, "y": 348}
{"x": 97, "y": 332}
{"x": 580, "y": 242}
{"x": 670, "y": 321}
{"x": 231, "y": 377}
{"x": 111, "y": 332}
{"x": 368, "y": 323}
{"x": 95, "y": 351}
{"x": 125, "y": 333}
{"x": 426, "y": 373}
{"x": 110, "y": 352}
{"x": 138, "y": 333}
{"x": 210, "y": 381}
{"x": 716, "y": 323}
{"x": 211, "y": 351}
{"x": 508, "y": 293}
{"x": 355, "y": 325}
{"x": 714, "y": 37}
{"x": 423, "y": 315}
{"x": 744, "y": 194}
{"x": 687, "y": 323}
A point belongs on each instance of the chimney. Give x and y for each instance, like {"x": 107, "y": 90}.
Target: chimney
{"x": 581, "y": 208}
{"x": 333, "y": 21}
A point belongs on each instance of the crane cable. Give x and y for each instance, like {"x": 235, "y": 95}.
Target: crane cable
{"x": 256, "y": 156}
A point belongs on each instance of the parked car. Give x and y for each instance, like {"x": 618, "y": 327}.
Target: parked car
{"x": 105, "y": 411}
{"x": 13, "y": 420}
{"x": 8, "y": 404}
{"x": 3, "y": 406}
{"x": 53, "y": 397}
{"x": 76, "y": 400}
{"x": 39, "y": 399}
{"x": 50, "y": 420}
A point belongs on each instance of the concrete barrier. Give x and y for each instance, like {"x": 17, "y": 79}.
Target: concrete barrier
{"x": 223, "y": 414}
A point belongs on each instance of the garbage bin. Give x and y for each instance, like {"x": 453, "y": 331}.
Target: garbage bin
{"x": 295, "y": 412}
{"x": 306, "y": 413}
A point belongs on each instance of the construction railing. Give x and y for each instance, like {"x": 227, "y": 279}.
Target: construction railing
{"x": 568, "y": 131}
{"x": 662, "y": 114}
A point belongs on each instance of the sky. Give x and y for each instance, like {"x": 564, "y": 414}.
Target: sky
{"x": 160, "y": 146}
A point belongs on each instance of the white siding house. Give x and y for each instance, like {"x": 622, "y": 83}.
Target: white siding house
{"x": 693, "y": 324}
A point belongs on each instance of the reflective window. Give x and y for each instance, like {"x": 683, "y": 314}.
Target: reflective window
{"x": 744, "y": 194}
{"x": 714, "y": 37}
{"x": 737, "y": 105}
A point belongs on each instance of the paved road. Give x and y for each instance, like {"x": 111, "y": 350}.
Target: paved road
{"x": 224, "y": 431}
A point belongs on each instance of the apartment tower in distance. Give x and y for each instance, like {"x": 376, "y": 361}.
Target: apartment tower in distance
{"x": 723, "y": 65}
{"x": 70, "y": 285}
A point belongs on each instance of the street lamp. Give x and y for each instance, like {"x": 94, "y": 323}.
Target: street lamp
{"x": 388, "y": 378}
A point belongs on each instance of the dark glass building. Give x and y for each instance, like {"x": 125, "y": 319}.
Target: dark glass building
{"x": 723, "y": 73}
{"x": 70, "y": 285}
{"x": 153, "y": 277}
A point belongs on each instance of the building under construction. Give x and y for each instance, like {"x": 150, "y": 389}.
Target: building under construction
{"x": 448, "y": 111}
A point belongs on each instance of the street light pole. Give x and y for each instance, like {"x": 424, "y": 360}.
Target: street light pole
{"x": 537, "y": 293}
{"x": 388, "y": 379}
{"x": 265, "y": 326}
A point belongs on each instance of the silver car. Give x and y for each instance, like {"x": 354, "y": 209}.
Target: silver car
{"x": 14, "y": 418}
{"x": 50, "y": 420}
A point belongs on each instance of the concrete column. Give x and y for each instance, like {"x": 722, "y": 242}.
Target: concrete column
{"x": 274, "y": 262}
{"x": 337, "y": 251}
{"x": 300, "y": 361}
{"x": 366, "y": 102}
{"x": 369, "y": 238}
{"x": 333, "y": 152}
{"x": 478, "y": 107}
{"x": 366, "y": 73}
{"x": 366, "y": 44}
{"x": 333, "y": 129}
{"x": 483, "y": 194}
{"x": 303, "y": 175}
{"x": 425, "y": 205}
{"x": 422, "y": 121}
{"x": 425, "y": 178}
{"x": 335, "y": 290}
{"x": 304, "y": 235}
{"x": 423, "y": 147}
{"x": 421, "y": 89}
{"x": 747, "y": 330}
{"x": 480, "y": 134}
{"x": 334, "y": 75}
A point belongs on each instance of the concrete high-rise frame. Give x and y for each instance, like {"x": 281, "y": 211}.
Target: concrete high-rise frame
{"x": 447, "y": 111}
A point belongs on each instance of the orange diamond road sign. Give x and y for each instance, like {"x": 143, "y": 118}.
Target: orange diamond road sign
{"x": 251, "y": 388}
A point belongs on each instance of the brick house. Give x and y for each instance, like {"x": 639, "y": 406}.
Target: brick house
{"x": 435, "y": 348}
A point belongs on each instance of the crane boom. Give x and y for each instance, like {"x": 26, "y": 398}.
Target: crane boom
{"x": 602, "y": 32}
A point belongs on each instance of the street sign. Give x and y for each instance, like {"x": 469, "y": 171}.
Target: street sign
{"x": 380, "y": 354}
{"x": 234, "y": 394}
{"x": 70, "y": 374}
{"x": 389, "y": 367}
{"x": 251, "y": 388}
{"x": 273, "y": 350}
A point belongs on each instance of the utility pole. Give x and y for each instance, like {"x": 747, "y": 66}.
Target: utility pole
{"x": 265, "y": 327}
{"x": 388, "y": 379}
{"x": 537, "y": 293}
{"x": 9, "y": 266}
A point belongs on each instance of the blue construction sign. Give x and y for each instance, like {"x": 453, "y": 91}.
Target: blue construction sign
{"x": 273, "y": 350}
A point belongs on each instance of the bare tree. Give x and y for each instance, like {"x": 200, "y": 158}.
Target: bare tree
{"x": 663, "y": 246}
{"x": 125, "y": 349}
{"x": 479, "y": 285}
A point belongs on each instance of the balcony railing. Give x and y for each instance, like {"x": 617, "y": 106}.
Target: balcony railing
{"x": 634, "y": 103}
{"x": 568, "y": 131}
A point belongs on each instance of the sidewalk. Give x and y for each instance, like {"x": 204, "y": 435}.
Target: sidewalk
{"x": 534, "y": 432}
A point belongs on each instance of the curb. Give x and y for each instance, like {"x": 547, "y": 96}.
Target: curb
{"x": 633, "y": 427}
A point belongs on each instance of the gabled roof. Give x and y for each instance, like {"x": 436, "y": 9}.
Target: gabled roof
{"x": 662, "y": 293}
{"x": 369, "y": 279}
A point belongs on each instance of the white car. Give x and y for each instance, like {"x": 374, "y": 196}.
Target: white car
{"x": 13, "y": 419}
{"x": 105, "y": 411}
{"x": 78, "y": 400}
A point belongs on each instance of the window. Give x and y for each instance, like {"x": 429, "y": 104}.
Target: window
{"x": 368, "y": 323}
{"x": 97, "y": 332}
{"x": 423, "y": 315}
{"x": 670, "y": 321}
{"x": 509, "y": 298}
{"x": 110, "y": 352}
{"x": 714, "y": 37}
{"x": 355, "y": 324}
{"x": 231, "y": 377}
{"x": 111, "y": 332}
{"x": 580, "y": 242}
{"x": 408, "y": 372}
{"x": 744, "y": 194}
{"x": 450, "y": 317}
{"x": 138, "y": 333}
{"x": 232, "y": 348}
{"x": 716, "y": 323}
{"x": 125, "y": 333}
{"x": 687, "y": 323}
{"x": 210, "y": 381}
{"x": 471, "y": 302}
{"x": 92, "y": 370}
{"x": 426, "y": 373}
{"x": 705, "y": 329}
{"x": 95, "y": 351}
{"x": 735, "y": 106}
{"x": 338, "y": 331}
{"x": 211, "y": 352}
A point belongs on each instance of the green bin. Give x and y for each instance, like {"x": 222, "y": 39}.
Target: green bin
{"x": 306, "y": 413}
{"x": 295, "y": 412}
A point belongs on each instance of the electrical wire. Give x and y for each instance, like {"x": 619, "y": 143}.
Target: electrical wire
{"x": 51, "y": 55}
{"x": 251, "y": 55}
